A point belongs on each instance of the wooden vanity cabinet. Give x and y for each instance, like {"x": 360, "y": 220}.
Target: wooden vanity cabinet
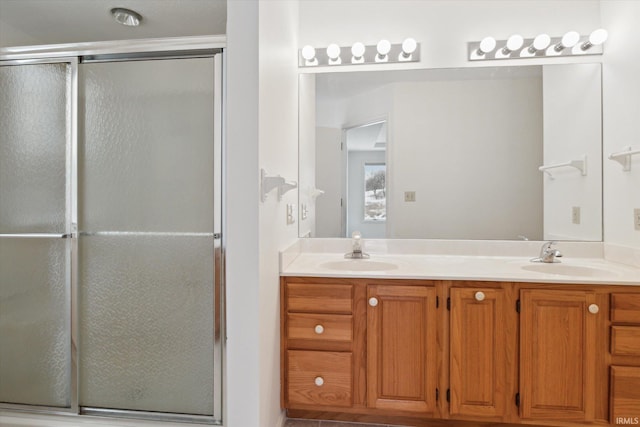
{"x": 460, "y": 353}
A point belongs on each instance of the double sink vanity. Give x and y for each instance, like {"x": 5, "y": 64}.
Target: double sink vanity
{"x": 428, "y": 332}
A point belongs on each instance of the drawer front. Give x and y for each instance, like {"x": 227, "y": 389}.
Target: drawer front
{"x": 625, "y": 308}
{"x": 625, "y": 340}
{"x": 319, "y": 378}
{"x": 625, "y": 395}
{"x": 320, "y": 327}
{"x": 312, "y": 298}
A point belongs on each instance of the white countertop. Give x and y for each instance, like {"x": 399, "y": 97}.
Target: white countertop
{"x": 583, "y": 268}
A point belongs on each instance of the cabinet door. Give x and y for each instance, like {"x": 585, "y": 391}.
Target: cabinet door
{"x": 557, "y": 354}
{"x": 478, "y": 362}
{"x": 401, "y": 348}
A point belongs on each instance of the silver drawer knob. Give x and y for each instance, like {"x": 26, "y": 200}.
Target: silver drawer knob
{"x": 319, "y": 329}
{"x": 373, "y": 301}
{"x": 593, "y": 308}
{"x": 480, "y": 296}
{"x": 319, "y": 381}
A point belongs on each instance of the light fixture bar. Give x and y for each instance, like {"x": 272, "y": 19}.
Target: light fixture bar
{"x": 554, "y": 48}
{"x": 359, "y": 54}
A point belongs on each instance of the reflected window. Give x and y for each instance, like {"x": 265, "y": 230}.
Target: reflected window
{"x": 375, "y": 192}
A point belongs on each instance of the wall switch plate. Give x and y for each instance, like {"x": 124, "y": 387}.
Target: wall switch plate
{"x": 290, "y": 218}
{"x": 303, "y": 211}
{"x": 636, "y": 219}
{"x": 575, "y": 214}
{"x": 409, "y": 196}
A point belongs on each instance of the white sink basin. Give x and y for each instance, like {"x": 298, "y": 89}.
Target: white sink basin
{"x": 359, "y": 265}
{"x": 567, "y": 270}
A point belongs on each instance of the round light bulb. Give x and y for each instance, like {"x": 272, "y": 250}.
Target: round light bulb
{"x": 357, "y": 50}
{"x": 383, "y": 47}
{"x": 515, "y": 42}
{"x": 541, "y": 42}
{"x": 409, "y": 46}
{"x": 308, "y": 52}
{"x": 487, "y": 44}
{"x": 570, "y": 39}
{"x": 598, "y": 37}
{"x": 333, "y": 51}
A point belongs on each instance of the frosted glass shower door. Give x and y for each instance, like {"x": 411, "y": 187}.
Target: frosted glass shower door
{"x": 146, "y": 250}
{"x": 35, "y": 301}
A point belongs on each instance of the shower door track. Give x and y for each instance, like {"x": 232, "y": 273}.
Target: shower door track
{"x": 126, "y": 50}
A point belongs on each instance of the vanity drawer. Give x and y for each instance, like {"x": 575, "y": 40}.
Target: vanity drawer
{"x": 625, "y": 394}
{"x": 625, "y": 308}
{"x": 625, "y": 340}
{"x": 319, "y": 298}
{"x": 321, "y": 327}
{"x": 319, "y": 378}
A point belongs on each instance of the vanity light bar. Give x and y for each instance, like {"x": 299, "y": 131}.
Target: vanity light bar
{"x": 541, "y": 46}
{"x": 384, "y": 52}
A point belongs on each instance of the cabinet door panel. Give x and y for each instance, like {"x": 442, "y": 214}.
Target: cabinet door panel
{"x": 401, "y": 348}
{"x": 478, "y": 341}
{"x": 557, "y": 350}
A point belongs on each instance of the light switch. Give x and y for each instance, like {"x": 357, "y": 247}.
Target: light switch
{"x": 636, "y": 219}
{"x": 575, "y": 214}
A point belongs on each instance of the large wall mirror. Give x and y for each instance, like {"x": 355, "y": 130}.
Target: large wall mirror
{"x": 453, "y": 153}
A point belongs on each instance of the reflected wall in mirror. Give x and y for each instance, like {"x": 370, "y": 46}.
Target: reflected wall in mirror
{"x": 461, "y": 148}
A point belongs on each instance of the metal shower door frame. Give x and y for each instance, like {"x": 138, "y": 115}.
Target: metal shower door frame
{"x": 175, "y": 48}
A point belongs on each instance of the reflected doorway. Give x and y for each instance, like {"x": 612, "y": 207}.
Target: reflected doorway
{"x": 365, "y": 185}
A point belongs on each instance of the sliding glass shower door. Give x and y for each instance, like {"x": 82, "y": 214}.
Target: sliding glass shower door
{"x": 35, "y": 313}
{"x": 146, "y": 222}
{"x": 110, "y": 250}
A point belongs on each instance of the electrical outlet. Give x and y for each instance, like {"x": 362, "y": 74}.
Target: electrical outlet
{"x": 575, "y": 214}
{"x": 409, "y": 196}
{"x": 636, "y": 219}
{"x": 290, "y": 218}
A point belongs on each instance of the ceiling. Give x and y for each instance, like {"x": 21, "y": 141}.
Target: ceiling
{"x": 36, "y": 22}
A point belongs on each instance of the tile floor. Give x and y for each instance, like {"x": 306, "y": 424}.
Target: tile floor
{"x": 313, "y": 423}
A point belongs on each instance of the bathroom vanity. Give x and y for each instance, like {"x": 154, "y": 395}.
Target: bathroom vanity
{"x": 427, "y": 340}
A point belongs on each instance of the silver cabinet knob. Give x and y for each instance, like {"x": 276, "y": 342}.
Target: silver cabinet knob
{"x": 319, "y": 329}
{"x": 319, "y": 381}
{"x": 480, "y": 296}
{"x": 373, "y": 301}
{"x": 593, "y": 308}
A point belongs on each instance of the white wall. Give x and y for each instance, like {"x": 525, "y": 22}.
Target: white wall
{"x": 243, "y": 393}
{"x": 572, "y": 128}
{"x": 278, "y": 154}
{"x": 261, "y": 131}
{"x": 621, "y": 113}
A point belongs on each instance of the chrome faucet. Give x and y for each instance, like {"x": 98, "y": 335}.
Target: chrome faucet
{"x": 548, "y": 253}
{"x": 356, "y": 244}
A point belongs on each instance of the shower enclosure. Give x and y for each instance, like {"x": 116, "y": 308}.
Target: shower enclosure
{"x": 110, "y": 244}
